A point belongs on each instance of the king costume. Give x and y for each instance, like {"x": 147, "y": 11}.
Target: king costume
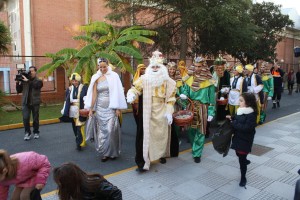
{"x": 158, "y": 98}
{"x": 201, "y": 90}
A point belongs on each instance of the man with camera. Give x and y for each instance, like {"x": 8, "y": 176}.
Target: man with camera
{"x": 30, "y": 86}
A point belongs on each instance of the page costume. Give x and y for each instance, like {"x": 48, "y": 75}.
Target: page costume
{"x": 201, "y": 90}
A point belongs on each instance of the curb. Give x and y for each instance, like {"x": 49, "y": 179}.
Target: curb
{"x": 42, "y": 122}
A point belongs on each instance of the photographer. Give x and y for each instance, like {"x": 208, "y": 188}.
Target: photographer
{"x": 31, "y": 88}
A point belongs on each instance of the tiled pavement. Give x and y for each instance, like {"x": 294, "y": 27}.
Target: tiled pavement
{"x": 272, "y": 173}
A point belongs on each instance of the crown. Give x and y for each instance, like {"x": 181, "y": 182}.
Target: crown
{"x": 157, "y": 58}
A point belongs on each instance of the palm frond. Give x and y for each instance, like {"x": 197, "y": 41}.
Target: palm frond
{"x": 87, "y": 51}
{"x": 44, "y": 67}
{"x": 129, "y": 50}
{"x": 81, "y": 64}
{"x": 68, "y": 51}
{"x": 84, "y": 38}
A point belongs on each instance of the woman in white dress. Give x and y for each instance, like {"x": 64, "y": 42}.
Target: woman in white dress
{"x": 106, "y": 97}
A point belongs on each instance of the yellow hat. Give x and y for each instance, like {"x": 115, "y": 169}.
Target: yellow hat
{"x": 249, "y": 67}
{"x": 239, "y": 68}
{"x": 138, "y": 72}
{"x": 75, "y": 76}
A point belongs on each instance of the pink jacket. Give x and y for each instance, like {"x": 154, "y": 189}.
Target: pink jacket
{"x": 33, "y": 168}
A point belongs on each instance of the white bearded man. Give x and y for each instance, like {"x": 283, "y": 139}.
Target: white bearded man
{"x": 157, "y": 97}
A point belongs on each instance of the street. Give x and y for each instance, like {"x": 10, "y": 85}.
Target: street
{"x": 58, "y": 143}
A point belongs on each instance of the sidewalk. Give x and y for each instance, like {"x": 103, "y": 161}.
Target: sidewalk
{"x": 272, "y": 173}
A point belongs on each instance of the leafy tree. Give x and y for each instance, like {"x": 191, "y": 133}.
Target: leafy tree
{"x": 101, "y": 40}
{"x": 5, "y": 38}
{"x": 189, "y": 25}
{"x": 271, "y": 22}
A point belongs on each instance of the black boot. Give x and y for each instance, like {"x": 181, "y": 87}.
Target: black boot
{"x": 243, "y": 182}
{"x": 162, "y": 160}
{"x": 278, "y": 105}
{"x": 274, "y": 105}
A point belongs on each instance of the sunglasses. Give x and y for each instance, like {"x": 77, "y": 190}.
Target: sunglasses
{"x": 100, "y": 60}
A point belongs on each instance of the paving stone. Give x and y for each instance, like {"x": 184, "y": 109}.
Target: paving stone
{"x": 190, "y": 171}
{"x": 212, "y": 180}
{"x": 216, "y": 195}
{"x": 278, "y": 148}
{"x": 170, "y": 195}
{"x": 257, "y": 181}
{"x": 266, "y": 196}
{"x": 147, "y": 189}
{"x": 289, "y": 178}
{"x": 228, "y": 172}
{"x": 233, "y": 189}
{"x": 291, "y": 139}
{"x": 210, "y": 164}
{"x": 268, "y": 172}
{"x": 289, "y": 158}
{"x": 280, "y": 164}
{"x": 170, "y": 179}
{"x": 220, "y": 158}
{"x": 285, "y": 191}
{"x": 192, "y": 189}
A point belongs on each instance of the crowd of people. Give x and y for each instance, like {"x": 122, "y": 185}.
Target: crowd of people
{"x": 236, "y": 93}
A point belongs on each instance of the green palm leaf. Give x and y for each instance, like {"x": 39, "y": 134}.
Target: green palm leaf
{"x": 84, "y": 38}
{"x": 129, "y": 50}
{"x": 80, "y": 65}
{"x": 142, "y": 32}
{"x": 87, "y": 51}
{"x": 126, "y": 30}
{"x": 136, "y": 38}
{"x": 44, "y": 67}
{"x": 54, "y": 67}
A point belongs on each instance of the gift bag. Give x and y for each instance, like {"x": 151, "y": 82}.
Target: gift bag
{"x": 221, "y": 139}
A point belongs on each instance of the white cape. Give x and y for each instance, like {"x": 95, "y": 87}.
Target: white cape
{"x": 116, "y": 91}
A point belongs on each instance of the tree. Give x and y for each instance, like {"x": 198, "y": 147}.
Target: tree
{"x": 5, "y": 38}
{"x": 101, "y": 40}
{"x": 184, "y": 23}
{"x": 271, "y": 22}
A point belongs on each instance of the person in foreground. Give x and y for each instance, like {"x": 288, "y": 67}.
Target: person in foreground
{"x": 74, "y": 183}
{"x": 26, "y": 170}
{"x": 244, "y": 123}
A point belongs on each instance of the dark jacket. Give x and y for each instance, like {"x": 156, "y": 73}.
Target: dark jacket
{"x": 68, "y": 103}
{"x": 244, "y": 131}
{"x": 106, "y": 191}
{"x": 298, "y": 77}
{"x": 33, "y": 97}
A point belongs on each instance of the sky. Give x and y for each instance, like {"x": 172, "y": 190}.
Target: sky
{"x": 285, "y": 3}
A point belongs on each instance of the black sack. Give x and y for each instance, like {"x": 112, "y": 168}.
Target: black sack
{"x": 35, "y": 194}
{"x": 221, "y": 139}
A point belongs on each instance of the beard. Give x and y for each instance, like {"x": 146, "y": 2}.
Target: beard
{"x": 157, "y": 78}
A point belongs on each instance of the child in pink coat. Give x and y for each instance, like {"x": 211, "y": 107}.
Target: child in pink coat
{"x": 25, "y": 170}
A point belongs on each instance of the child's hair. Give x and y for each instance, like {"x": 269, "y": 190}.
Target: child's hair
{"x": 71, "y": 180}
{"x": 11, "y": 164}
{"x": 250, "y": 100}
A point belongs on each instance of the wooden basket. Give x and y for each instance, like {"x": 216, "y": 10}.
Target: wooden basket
{"x": 84, "y": 112}
{"x": 184, "y": 117}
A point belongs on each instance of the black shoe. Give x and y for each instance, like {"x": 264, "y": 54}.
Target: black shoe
{"x": 274, "y": 106}
{"x": 162, "y": 160}
{"x": 248, "y": 162}
{"x": 113, "y": 158}
{"x": 104, "y": 159}
{"x": 78, "y": 148}
{"x": 278, "y": 105}
{"x": 141, "y": 170}
{"x": 197, "y": 159}
{"x": 243, "y": 182}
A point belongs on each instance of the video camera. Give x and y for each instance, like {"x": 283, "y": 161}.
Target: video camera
{"x": 21, "y": 72}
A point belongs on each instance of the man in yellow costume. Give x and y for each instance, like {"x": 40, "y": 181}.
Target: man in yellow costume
{"x": 158, "y": 99}
{"x": 199, "y": 87}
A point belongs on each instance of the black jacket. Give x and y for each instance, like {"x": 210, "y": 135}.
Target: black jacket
{"x": 106, "y": 191}
{"x": 33, "y": 97}
{"x": 244, "y": 131}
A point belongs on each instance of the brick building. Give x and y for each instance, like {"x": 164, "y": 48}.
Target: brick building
{"x": 41, "y": 26}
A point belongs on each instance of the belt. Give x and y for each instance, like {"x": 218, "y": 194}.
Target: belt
{"x": 158, "y": 100}
{"x": 75, "y": 104}
{"x": 235, "y": 90}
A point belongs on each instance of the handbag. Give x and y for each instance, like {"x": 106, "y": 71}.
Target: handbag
{"x": 221, "y": 139}
{"x": 90, "y": 128}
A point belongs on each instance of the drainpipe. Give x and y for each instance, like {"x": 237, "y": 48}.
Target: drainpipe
{"x": 27, "y": 32}
{"x": 86, "y": 11}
